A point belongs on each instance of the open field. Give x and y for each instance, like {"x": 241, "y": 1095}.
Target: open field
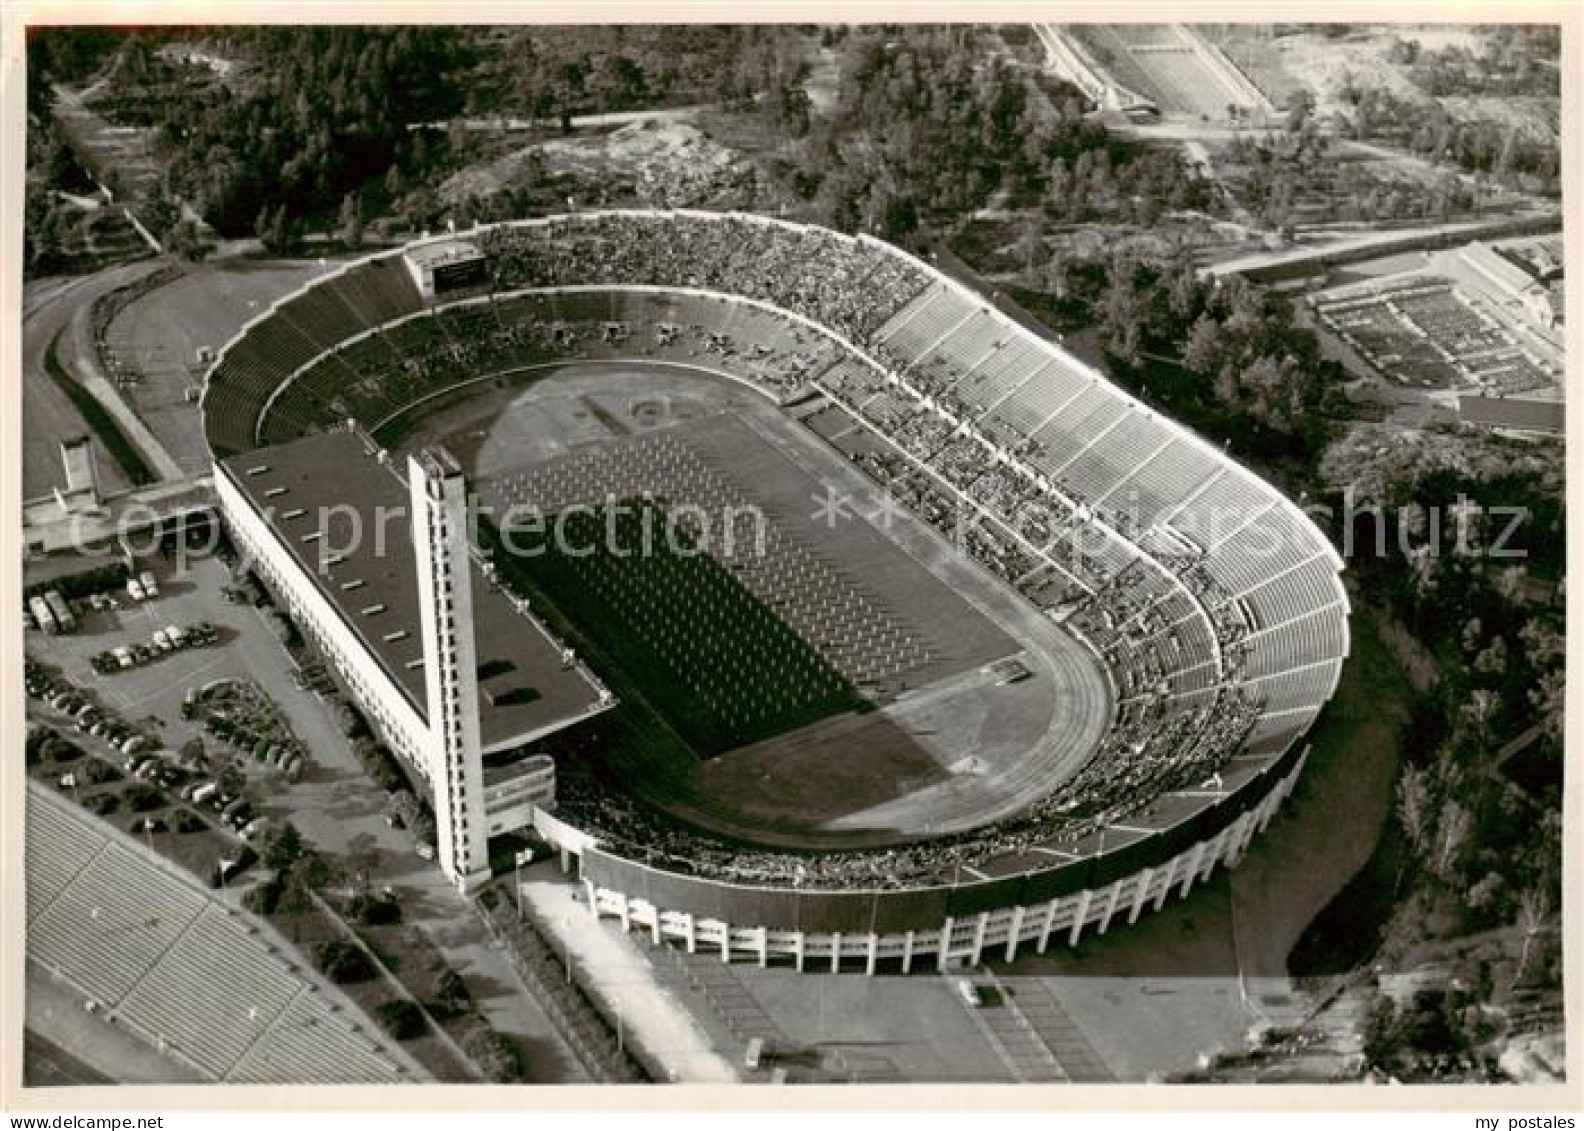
{"x": 948, "y": 748}
{"x": 713, "y": 660}
{"x": 158, "y": 337}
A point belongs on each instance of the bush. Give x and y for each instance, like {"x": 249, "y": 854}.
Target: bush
{"x": 186, "y": 821}
{"x": 264, "y": 899}
{"x": 373, "y": 910}
{"x": 141, "y": 798}
{"x": 401, "y": 1019}
{"x": 498, "y": 1056}
{"x": 451, "y": 992}
{"x": 343, "y": 961}
{"x": 103, "y": 804}
{"x": 282, "y": 848}
{"x": 98, "y": 773}
{"x": 60, "y": 750}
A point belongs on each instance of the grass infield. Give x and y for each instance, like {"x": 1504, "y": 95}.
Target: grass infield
{"x": 718, "y": 665}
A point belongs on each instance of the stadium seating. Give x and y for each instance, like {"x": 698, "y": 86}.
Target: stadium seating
{"x": 215, "y": 993}
{"x": 179, "y": 967}
{"x": 1219, "y": 611}
{"x": 112, "y": 923}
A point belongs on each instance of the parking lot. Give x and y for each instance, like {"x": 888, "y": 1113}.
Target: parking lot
{"x": 334, "y": 804}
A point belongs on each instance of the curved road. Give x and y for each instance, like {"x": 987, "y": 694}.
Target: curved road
{"x": 48, "y": 307}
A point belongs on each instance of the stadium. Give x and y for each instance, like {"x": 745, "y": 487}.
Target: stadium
{"x": 1060, "y": 666}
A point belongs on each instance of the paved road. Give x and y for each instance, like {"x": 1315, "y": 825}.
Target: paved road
{"x": 579, "y": 121}
{"x": 618, "y": 972}
{"x": 1380, "y": 242}
{"x": 47, "y": 1065}
{"x": 49, "y": 415}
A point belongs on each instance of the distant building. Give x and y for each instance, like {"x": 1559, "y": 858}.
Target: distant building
{"x": 1527, "y": 273}
{"x": 82, "y": 473}
{"x": 1513, "y": 414}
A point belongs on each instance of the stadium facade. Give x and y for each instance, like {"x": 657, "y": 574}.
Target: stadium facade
{"x": 380, "y": 576}
{"x": 1213, "y": 601}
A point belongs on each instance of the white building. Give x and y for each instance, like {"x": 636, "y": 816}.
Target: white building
{"x": 452, "y": 673}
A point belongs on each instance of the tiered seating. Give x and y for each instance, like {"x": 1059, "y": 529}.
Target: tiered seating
{"x": 1097, "y": 471}
{"x": 1263, "y": 548}
{"x": 58, "y": 844}
{"x": 310, "y": 1044}
{"x": 323, "y": 317}
{"x": 1077, "y": 426}
{"x": 112, "y": 923}
{"x": 1013, "y": 361}
{"x": 1304, "y": 689}
{"x": 379, "y": 290}
{"x": 1167, "y": 479}
{"x": 215, "y": 993}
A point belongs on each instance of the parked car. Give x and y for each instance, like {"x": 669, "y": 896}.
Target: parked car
{"x": 134, "y": 589}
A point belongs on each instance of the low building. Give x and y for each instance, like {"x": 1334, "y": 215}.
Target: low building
{"x": 1513, "y": 414}
{"x": 445, "y": 266}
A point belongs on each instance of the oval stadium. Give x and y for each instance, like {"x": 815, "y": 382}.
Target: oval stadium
{"x": 949, "y": 647}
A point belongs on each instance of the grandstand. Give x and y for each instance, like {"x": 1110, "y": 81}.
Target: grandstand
{"x": 204, "y": 983}
{"x": 1213, "y": 603}
{"x": 1172, "y": 66}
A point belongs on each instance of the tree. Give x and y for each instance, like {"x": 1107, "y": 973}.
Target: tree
{"x": 187, "y": 242}
{"x": 498, "y": 1056}
{"x": 452, "y": 993}
{"x": 363, "y": 859}
{"x": 402, "y": 1019}
{"x": 295, "y": 901}
{"x": 1534, "y": 909}
{"x": 1549, "y": 699}
{"x": 351, "y": 223}
{"x": 1451, "y": 834}
{"x": 282, "y": 848}
{"x": 1414, "y": 807}
{"x": 1031, "y": 246}
{"x": 231, "y": 781}
{"x": 313, "y": 871}
{"x": 1202, "y": 353}
{"x": 343, "y": 961}
{"x": 192, "y": 753}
